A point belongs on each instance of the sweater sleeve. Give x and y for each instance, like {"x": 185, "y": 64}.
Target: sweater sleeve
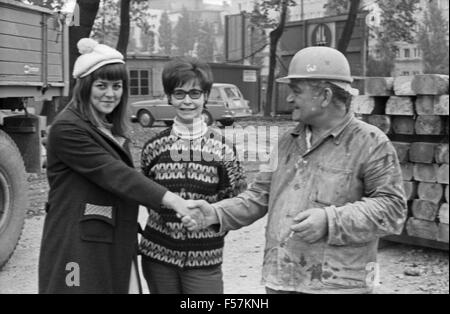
{"x": 232, "y": 180}
{"x": 77, "y": 149}
{"x": 149, "y": 155}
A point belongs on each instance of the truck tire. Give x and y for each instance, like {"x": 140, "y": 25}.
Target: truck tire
{"x": 13, "y": 197}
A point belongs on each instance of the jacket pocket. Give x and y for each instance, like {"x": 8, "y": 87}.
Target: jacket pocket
{"x": 331, "y": 186}
{"x": 348, "y": 267}
{"x": 97, "y": 223}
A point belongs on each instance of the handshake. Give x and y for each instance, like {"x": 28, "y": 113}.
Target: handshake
{"x": 200, "y": 215}
{"x": 195, "y": 215}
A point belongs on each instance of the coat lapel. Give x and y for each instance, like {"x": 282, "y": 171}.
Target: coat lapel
{"x": 114, "y": 146}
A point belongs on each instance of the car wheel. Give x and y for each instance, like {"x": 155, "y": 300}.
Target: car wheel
{"x": 168, "y": 122}
{"x": 207, "y": 117}
{"x": 145, "y": 119}
{"x": 227, "y": 122}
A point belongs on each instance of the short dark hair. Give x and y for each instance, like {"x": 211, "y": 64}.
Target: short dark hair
{"x": 181, "y": 70}
{"x": 82, "y": 92}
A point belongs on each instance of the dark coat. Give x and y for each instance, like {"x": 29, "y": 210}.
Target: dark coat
{"x": 91, "y": 223}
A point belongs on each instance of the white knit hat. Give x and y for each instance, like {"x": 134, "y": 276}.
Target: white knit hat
{"x": 94, "y": 56}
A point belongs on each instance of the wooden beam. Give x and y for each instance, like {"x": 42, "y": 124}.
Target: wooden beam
{"x": 402, "y": 86}
{"x": 363, "y": 104}
{"x": 430, "y": 84}
{"x": 410, "y": 188}
{"x": 403, "y": 125}
{"x": 429, "y": 125}
{"x": 379, "y": 86}
{"x": 422, "y": 229}
{"x": 425, "y": 104}
{"x": 423, "y": 209}
{"x": 443, "y": 233}
{"x": 442, "y": 174}
{"x": 402, "y": 149}
{"x": 401, "y": 106}
{"x": 441, "y": 106}
{"x": 443, "y": 213}
{"x": 422, "y": 152}
{"x": 407, "y": 171}
{"x": 406, "y": 239}
{"x": 430, "y": 191}
{"x": 426, "y": 172}
{"x": 441, "y": 153}
{"x": 382, "y": 122}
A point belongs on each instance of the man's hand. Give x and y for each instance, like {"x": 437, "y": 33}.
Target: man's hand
{"x": 312, "y": 224}
{"x": 202, "y": 215}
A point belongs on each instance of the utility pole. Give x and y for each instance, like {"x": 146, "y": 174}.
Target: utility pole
{"x": 302, "y": 11}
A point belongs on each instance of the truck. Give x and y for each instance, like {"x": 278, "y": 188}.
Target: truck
{"x": 34, "y": 67}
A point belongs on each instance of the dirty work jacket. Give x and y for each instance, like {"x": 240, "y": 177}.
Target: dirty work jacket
{"x": 354, "y": 174}
{"x": 90, "y": 230}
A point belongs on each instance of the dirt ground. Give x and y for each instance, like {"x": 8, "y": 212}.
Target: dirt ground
{"x": 404, "y": 269}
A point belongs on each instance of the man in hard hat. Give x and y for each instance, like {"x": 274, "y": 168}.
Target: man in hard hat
{"x": 334, "y": 189}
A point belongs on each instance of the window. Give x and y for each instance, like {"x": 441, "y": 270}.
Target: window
{"x": 140, "y": 82}
{"x": 215, "y": 94}
{"x": 416, "y": 72}
{"x": 407, "y": 53}
{"x": 405, "y": 73}
{"x": 232, "y": 93}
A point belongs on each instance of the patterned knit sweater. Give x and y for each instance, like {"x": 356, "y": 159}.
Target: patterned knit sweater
{"x": 204, "y": 168}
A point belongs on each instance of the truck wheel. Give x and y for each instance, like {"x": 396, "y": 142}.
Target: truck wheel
{"x": 13, "y": 197}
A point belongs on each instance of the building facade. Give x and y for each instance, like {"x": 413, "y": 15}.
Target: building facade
{"x": 409, "y": 56}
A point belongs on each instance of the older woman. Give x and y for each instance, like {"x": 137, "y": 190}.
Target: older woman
{"x": 194, "y": 161}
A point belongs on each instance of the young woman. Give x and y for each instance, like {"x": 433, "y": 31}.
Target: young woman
{"x": 195, "y": 162}
{"x": 89, "y": 243}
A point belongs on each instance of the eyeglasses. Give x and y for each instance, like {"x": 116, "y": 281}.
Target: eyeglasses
{"x": 193, "y": 94}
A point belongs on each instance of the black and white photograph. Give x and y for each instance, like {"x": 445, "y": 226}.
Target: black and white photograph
{"x": 224, "y": 152}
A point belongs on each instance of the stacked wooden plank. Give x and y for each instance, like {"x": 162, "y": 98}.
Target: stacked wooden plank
{"x": 414, "y": 112}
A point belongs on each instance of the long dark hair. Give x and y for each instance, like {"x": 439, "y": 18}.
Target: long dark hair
{"x": 116, "y": 121}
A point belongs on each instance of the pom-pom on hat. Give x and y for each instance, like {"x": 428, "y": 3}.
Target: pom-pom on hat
{"x": 94, "y": 56}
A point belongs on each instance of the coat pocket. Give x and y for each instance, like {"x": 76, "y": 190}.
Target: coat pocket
{"x": 331, "y": 186}
{"x": 97, "y": 223}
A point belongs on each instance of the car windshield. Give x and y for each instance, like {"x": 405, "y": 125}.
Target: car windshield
{"x": 232, "y": 93}
{"x": 215, "y": 94}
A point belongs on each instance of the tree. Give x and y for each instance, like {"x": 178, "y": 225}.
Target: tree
{"x": 346, "y": 35}
{"x": 260, "y": 16}
{"x": 205, "y": 42}
{"x": 106, "y": 26}
{"x": 165, "y": 34}
{"x": 336, "y": 7}
{"x": 49, "y": 4}
{"x": 433, "y": 41}
{"x": 397, "y": 24}
{"x": 145, "y": 20}
{"x": 185, "y": 34}
{"x": 124, "y": 31}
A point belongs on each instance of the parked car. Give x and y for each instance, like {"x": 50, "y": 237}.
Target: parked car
{"x": 225, "y": 104}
